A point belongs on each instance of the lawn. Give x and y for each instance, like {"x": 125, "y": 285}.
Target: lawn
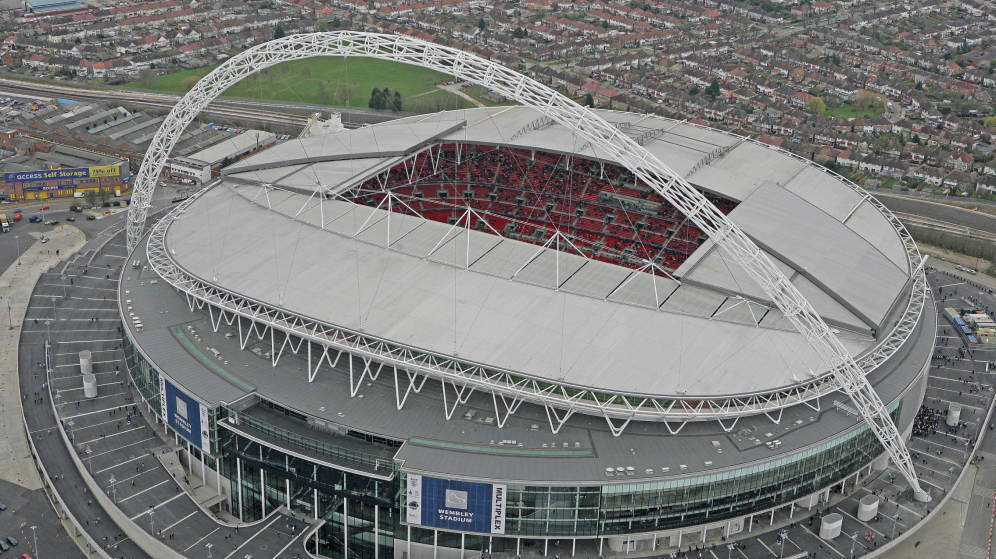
{"x": 328, "y": 81}
{"x": 851, "y": 110}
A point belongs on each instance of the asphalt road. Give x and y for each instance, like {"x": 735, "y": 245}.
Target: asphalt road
{"x": 27, "y": 508}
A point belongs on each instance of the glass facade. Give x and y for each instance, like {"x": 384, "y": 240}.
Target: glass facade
{"x": 360, "y": 495}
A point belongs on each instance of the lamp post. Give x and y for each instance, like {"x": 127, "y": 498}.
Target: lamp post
{"x": 34, "y": 535}
{"x": 17, "y": 242}
{"x": 152, "y": 521}
{"x": 114, "y": 489}
{"x": 209, "y": 545}
{"x": 10, "y": 317}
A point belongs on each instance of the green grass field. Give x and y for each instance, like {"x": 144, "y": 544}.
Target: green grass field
{"x": 850, "y": 110}
{"x": 328, "y": 81}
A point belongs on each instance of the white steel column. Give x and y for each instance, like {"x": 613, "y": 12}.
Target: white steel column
{"x": 238, "y": 473}
{"x": 287, "y": 481}
{"x": 376, "y": 531}
{"x": 262, "y": 490}
{"x": 345, "y": 527}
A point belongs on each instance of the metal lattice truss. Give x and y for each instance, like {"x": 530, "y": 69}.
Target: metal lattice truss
{"x": 845, "y": 372}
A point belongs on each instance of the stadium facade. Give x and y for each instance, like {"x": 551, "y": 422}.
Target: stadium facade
{"x": 477, "y": 331}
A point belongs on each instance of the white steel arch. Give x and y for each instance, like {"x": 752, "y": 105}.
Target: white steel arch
{"x": 627, "y": 152}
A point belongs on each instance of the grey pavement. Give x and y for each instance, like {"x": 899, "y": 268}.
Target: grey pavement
{"x": 115, "y": 443}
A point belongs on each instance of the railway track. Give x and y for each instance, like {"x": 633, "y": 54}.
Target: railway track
{"x": 272, "y": 113}
{"x": 945, "y": 226}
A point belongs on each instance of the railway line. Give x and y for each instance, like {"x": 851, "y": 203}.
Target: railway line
{"x": 945, "y": 226}
{"x": 287, "y": 114}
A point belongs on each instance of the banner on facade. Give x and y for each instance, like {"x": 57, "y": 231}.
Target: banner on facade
{"x": 184, "y": 414}
{"x": 455, "y": 505}
{"x": 101, "y": 171}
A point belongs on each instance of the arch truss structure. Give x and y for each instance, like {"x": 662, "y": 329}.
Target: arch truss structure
{"x": 844, "y": 371}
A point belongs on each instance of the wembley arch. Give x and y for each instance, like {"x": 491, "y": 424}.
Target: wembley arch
{"x": 844, "y": 371}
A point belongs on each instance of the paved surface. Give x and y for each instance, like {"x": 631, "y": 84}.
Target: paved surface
{"x": 27, "y": 508}
{"x": 117, "y": 445}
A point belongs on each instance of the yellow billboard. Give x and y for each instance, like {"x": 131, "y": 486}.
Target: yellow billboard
{"x": 105, "y": 171}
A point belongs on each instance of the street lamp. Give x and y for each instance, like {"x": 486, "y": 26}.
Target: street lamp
{"x": 209, "y": 545}
{"x": 34, "y": 535}
{"x": 854, "y": 540}
{"x": 48, "y": 329}
{"x": 63, "y": 286}
{"x": 114, "y": 489}
{"x": 152, "y": 521}
{"x": 10, "y": 317}
{"x": 17, "y": 241}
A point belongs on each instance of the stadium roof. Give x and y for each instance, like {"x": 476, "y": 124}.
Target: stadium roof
{"x": 551, "y": 314}
{"x": 179, "y": 343}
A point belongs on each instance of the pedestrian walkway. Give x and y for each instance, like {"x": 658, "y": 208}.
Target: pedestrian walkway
{"x": 117, "y": 447}
{"x": 16, "y": 283}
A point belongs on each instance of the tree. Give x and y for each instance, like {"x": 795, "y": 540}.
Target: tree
{"x": 694, "y": 91}
{"x": 91, "y": 198}
{"x": 817, "y": 105}
{"x": 482, "y": 25}
{"x": 713, "y": 89}
{"x": 396, "y": 103}
{"x": 374, "y": 99}
{"x": 519, "y": 33}
{"x": 589, "y": 101}
{"x": 278, "y": 32}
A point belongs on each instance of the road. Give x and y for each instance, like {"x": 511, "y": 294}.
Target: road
{"x": 271, "y": 112}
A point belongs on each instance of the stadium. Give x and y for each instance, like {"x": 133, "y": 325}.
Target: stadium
{"x": 523, "y": 329}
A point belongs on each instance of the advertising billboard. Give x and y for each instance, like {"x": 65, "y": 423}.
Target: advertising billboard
{"x": 455, "y": 505}
{"x": 58, "y": 174}
{"x": 184, "y": 414}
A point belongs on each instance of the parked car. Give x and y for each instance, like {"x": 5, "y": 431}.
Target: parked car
{"x": 34, "y": 219}
{"x": 12, "y": 541}
{"x": 90, "y": 217}
{"x": 3, "y": 507}
{"x": 46, "y": 207}
{"x": 4, "y": 546}
{"x": 17, "y": 217}
{"x": 52, "y": 222}
{"x": 70, "y": 218}
{"x": 44, "y": 240}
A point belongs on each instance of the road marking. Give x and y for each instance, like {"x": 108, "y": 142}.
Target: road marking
{"x": 167, "y": 501}
{"x": 304, "y": 531}
{"x": 234, "y": 551}
{"x": 859, "y": 521}
{"x": 828, "y": 546}
{"x": 201, "y": 539}
{"x": 92, "y": 456}
{"x": 171, "y": 526}
{"x": 67, "y": 418}
{"x": 139, "y": 457}
{"x": 766, "y": 547}
{"x": 114, "y": 434}
{"x": 92, "y": 362}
